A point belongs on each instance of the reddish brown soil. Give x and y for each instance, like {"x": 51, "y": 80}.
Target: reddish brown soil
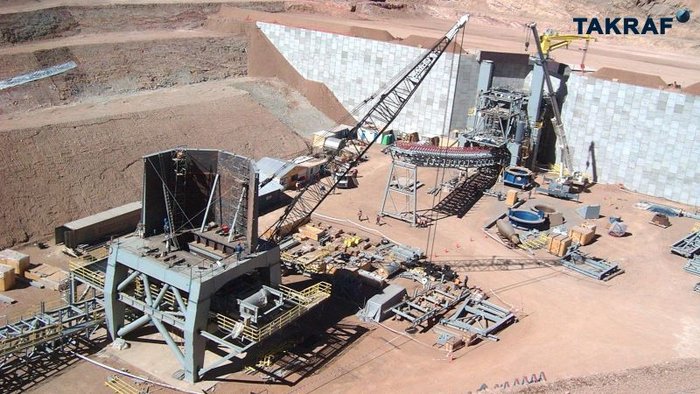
{"x": 88, "y": 159}
{"x": 629, "y": 77}
{"x": 66, "y": 161}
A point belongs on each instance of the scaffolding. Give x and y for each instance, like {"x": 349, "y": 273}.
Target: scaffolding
{"x": 400, "y": 194}
{"x": 400, "y": 199}
{"x": 501, "y": 117}
{"x": 46, "y": 330}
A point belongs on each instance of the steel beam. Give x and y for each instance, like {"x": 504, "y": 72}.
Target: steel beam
{"x": 127, "y": 329}
{"x": 169, "y": 340}
{"x": 211, "y": 197}
{"x": 149, "y": 310}
{"x": 128, "y": 280}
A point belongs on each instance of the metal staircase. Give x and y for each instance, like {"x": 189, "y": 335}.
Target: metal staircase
{"x": 464, "y": 196}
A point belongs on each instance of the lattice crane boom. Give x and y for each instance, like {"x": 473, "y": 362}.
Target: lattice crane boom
{"x": 388, "y": 104}
{"x": 565, "y": 153}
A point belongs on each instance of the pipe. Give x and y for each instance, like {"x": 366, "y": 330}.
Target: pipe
{"x": 232, "y": 230}
{"x": 169, "y": 340}
{"x": 211, "y": 197}
{"x": 107, "y": 367}
{"x": 128, "y": 280}
{"x": 507, "y": 230}
{"x": 127, "y": 329}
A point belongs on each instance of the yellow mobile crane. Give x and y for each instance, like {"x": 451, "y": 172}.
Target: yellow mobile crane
{"x": 551, "y": 40}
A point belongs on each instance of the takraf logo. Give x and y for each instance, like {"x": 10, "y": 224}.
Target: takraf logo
{"x": 628, "y": 25}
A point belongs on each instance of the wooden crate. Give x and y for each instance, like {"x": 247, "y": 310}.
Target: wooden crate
{"x": 7, "y": 277}
{"x": 582, "y": 235}
{"x": 564, "y": 245}
{"x": 511, "y": 198}
{"x": 18, "y": 261}
{"x": 558, "y": 245}
{"x": 454, "y": 344}
{"x": 312, "y": 232}
{"x": 550, "y": 240}
{"x": 590, "y": 226}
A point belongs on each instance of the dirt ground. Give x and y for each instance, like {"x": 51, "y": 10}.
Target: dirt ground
{"x": 569, "y": 325}
{"x": 154, "y": 74}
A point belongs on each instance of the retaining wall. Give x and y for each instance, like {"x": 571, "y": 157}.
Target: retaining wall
{"x": 647, "y": 139}
{"x": 355, "y": 68}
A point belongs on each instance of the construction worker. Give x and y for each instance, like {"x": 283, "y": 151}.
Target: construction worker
{"x": 379, "y": 220}
{"x": 239, "y": 249}
{"x": 359, "y": 215}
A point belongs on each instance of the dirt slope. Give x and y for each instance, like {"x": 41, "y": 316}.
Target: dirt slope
{"x": 65, "y": 169}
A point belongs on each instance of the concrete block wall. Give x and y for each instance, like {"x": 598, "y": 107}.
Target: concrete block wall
{"x": 646, "y": 139}
{"x": 465, "y": 92}
{"x": 355, "y": 68}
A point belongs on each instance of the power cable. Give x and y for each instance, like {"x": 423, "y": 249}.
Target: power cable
{"x": 430, "y": 244}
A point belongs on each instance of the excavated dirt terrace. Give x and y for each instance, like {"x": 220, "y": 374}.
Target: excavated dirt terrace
{"x": 147, "y": 79}
{"x": 122, "y": 67}
{"x": 155, "y": 76}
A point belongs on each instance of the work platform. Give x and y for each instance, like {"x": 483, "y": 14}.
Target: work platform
{"x": 46, "y": 329}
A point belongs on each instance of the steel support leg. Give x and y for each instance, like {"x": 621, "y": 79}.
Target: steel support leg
{"x": 114, "y": 309}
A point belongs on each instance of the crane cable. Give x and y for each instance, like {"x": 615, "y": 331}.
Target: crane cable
{"x": 430, "y": 243}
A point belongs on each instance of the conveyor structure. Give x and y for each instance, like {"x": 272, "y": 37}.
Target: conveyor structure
{"x": 47, "y": 329}
{"x": 423, "y": 155}
{"x": 463, "y": 197}
{"x": 400, "y": 195}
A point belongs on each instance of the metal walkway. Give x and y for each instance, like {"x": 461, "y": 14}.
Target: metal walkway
{"x": 463, "y": 197}
{"x": 48, "y": 328}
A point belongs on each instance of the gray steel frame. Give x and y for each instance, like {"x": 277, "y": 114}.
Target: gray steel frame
{"x": 497, "y": 115}
{"x": 126, "y": 264}
{"x": 430, "y": 156}
{"x": 480, "y": 317}
{"x": 48, "y": 330}
{"x": 417, "y": 314}
{"x": 393, "y": 189}
{"x": 590, "y": 266}
{"x": 693, "y": 265}
{"x": 688, "y": 246}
